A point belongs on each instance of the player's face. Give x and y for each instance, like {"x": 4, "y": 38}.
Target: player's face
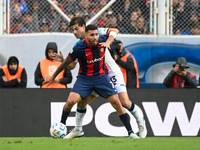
{"x": 78, "y": 31}
{"x": 92, "y": 37}
{"x": 13, "y": 66}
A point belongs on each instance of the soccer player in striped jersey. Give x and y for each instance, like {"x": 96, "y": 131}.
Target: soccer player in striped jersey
{"x": 77, "y": 25}
{"x": 92, "y": 76}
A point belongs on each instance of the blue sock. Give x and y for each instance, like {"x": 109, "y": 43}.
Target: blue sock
{"x": 81, "y": 110}
{"x": 126, "y": 121}
{"x": 132, "y": 107}
{"x": 64, "y": 116}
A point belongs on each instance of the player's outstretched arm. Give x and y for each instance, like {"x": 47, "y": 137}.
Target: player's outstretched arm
{"x": 112, "y": 35}
{"x": 108, "y": 42}
{"x": 72, "y": 65}
{"x": 50, "y": 79}
{"x": 59, "y": 57}
{"x": 112, "y": 30}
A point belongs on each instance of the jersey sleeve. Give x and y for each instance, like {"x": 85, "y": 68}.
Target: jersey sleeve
{"x": 103, "y": 38}
{"x": 73, "y": 55}
{"x": 77, "y": 42}
{"x": 102, "y": 31}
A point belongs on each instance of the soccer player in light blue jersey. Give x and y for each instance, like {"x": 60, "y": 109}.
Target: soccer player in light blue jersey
{"x": 78, "y": 25}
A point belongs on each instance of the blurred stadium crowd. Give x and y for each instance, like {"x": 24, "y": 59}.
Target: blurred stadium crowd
{"x": 129, "y": 16}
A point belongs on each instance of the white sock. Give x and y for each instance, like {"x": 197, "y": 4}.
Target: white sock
{"x": 137, "y": 116}
{"x": 79, "y": 121}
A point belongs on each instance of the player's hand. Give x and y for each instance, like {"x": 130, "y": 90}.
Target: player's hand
{"x": 105, "y": 44}
{"x": 48, "y": 80}
{"x": 58, "y": 57}
{"x": 56, "y": 81}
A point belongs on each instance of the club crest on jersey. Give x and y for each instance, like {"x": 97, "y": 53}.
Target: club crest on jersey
{"x": 71, "y": 51}
{"x": 102, "y": 49}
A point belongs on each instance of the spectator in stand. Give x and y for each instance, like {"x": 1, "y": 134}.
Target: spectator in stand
{"x": 44, "y": 26}
{"x": 194, "y": 17}
{"x": 100, "y": 5}
{"x": 13, "y": 75}
{"x": 112, "y": 23}
{"x": 125, "y": 12}
{"x": 15, "y": 10}
{"x": 69, "y": 14}
{"x": 47, "y": 66}
{"x": 53, "y": 18}
{"x": 84, "y": 8}
{"x": 194, "y": 5}
{"x": 179, "y": 77}
{"x": 17, "y": 26}
{"x": 86, "y": 17}
{"x": 30, "y": 22}
{"x": 131, "y": 27}
{"x": 27, "y": 22}
{"x": 141, "y": 27}
{"x": 71, "y": 5}
{"x": 181, "y": 16}
{"x": 19, "y": 6}
{"x": 195, "y": 29}
{"x": 102, "y": 20}
{"x": 64, "y": 27}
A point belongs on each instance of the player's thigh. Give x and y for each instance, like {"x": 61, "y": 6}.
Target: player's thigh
{"x": 124, "y": 99}
{"x": 118, "y": 81}
{"x": 115, "y": 102}
{"x": 83, "y": 86}
{"x": 87, "y": 100}
{"x": 104, "y": 87}
{"x": 72, "y": 99}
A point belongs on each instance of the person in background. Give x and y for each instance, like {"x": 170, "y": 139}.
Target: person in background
{"x": 13, "y": 75}
{"x": 179, "y": 77}
{"x": 127, "y": 63}
{"x": 141, "y": 27}
{"x": 53, "y": 17}
{"x": 17, "y": 26}
{"x": 44, "y": 26}
{"x": 47, "y": 66}
{"x": 64, "y": 27}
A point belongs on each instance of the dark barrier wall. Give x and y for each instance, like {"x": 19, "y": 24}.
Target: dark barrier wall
{"x": 168, "y": 112}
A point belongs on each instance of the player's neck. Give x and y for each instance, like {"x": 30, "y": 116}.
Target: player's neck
{"x": 82, "y": 38}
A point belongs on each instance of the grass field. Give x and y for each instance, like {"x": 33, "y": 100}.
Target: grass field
{"x": 101, "y": 143}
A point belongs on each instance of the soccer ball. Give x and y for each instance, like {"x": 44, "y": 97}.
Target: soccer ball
{"x": 58, "y": 130}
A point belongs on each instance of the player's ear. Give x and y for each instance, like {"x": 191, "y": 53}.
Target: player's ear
{"x": 85, "y": 35}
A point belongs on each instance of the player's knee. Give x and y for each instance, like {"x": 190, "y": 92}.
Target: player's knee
{"x": 125, "y": 104}
{"x": 82, "y": 104}
{"x": 69, "y": 105}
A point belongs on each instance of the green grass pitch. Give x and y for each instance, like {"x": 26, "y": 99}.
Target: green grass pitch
{"x": 100, "y": 143}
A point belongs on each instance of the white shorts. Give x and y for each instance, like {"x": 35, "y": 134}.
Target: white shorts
{"x": 118, "y": 81}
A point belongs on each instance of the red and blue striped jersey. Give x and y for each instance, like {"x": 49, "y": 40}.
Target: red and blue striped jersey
{"x": 91, "y": 58}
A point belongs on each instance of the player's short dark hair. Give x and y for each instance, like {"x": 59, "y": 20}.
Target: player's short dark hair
{"x": 77, "y": 20}
{"x": 90, "y": 27}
